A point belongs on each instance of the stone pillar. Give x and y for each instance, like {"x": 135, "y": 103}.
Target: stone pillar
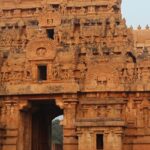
{"x": 1, "y": 129}
{"x": 70, "y": 137}
{"x": 2, "y": 135}
{"x": 24, "y": 131}
{"x": 86, "y": 140}
{"x": 113, "y": 140}
{"x": 9, "y": 117}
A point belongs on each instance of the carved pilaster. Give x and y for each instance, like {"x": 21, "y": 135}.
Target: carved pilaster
{"x": 70, "y": 137}
{"x": 24, "y": 140}
{"x": 85, "y": 137}
{"x": 2, "y": 135}
{"x": 113, "y": 139}
{"x": 9, "y": 128}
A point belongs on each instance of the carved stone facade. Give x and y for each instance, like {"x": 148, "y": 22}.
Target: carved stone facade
{"x": 79, "y": 59}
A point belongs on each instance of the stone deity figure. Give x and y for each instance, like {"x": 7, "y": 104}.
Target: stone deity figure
{"x": 112, "y": 25}
{"x": 91, "y": 9}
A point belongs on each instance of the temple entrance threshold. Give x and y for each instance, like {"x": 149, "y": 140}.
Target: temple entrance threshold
{"x": 43, "y": 112}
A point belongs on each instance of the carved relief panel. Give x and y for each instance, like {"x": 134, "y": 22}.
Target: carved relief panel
{"x": 15, "y": 73}
{"x": 9, "y": 114}
{"x": 41, "y": 49}
{"x": 51, "y": 19}
{"x": 102, "y": 109}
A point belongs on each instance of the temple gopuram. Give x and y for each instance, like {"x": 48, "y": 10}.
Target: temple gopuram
{"x": 75, "y": 58}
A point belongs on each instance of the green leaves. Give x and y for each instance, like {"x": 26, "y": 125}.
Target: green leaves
{"x": 57, "y": 132}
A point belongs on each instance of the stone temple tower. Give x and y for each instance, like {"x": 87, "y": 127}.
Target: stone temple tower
{"x": 73, "y": 58}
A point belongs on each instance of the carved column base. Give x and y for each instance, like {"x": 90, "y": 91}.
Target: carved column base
{"x": 70, "y": 139}
{"x": 70, "y": 143}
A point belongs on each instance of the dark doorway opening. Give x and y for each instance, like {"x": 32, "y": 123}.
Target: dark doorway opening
{"x": 50, "y": 33}
{"x": 99, "y": 142}
{"x": 43, "y": 112}
{"x": 42, "y": 72}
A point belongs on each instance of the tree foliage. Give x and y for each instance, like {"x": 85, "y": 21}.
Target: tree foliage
{"x": 57, "y": 132}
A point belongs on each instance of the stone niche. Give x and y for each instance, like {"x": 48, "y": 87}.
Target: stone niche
{"x": 41, "y": 53}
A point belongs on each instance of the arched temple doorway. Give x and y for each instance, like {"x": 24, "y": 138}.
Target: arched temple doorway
{"x": 37, "y": 121}
{"x": 43, "y": 112}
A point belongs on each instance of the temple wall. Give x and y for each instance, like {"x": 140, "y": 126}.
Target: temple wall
{"x": 123, "y": 122}
{"x": 81, "y": 54}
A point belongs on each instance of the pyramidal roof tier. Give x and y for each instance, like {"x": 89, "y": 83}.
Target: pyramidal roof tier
{"x": 77, "y": 44}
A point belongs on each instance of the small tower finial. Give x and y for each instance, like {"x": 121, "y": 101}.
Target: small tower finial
{"x": 139, "y": 27}
{"x": 147, "y": 27}
{"x": 131, "y": 27}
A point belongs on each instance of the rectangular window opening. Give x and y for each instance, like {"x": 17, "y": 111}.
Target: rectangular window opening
{"x": 50, "y": 33}
{"x": 5, "y": 54}
{"x": 99, "y": 142}
{"x": 42, "y": 72}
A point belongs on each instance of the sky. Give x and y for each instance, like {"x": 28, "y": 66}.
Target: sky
{"x": 136, "y": 12}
